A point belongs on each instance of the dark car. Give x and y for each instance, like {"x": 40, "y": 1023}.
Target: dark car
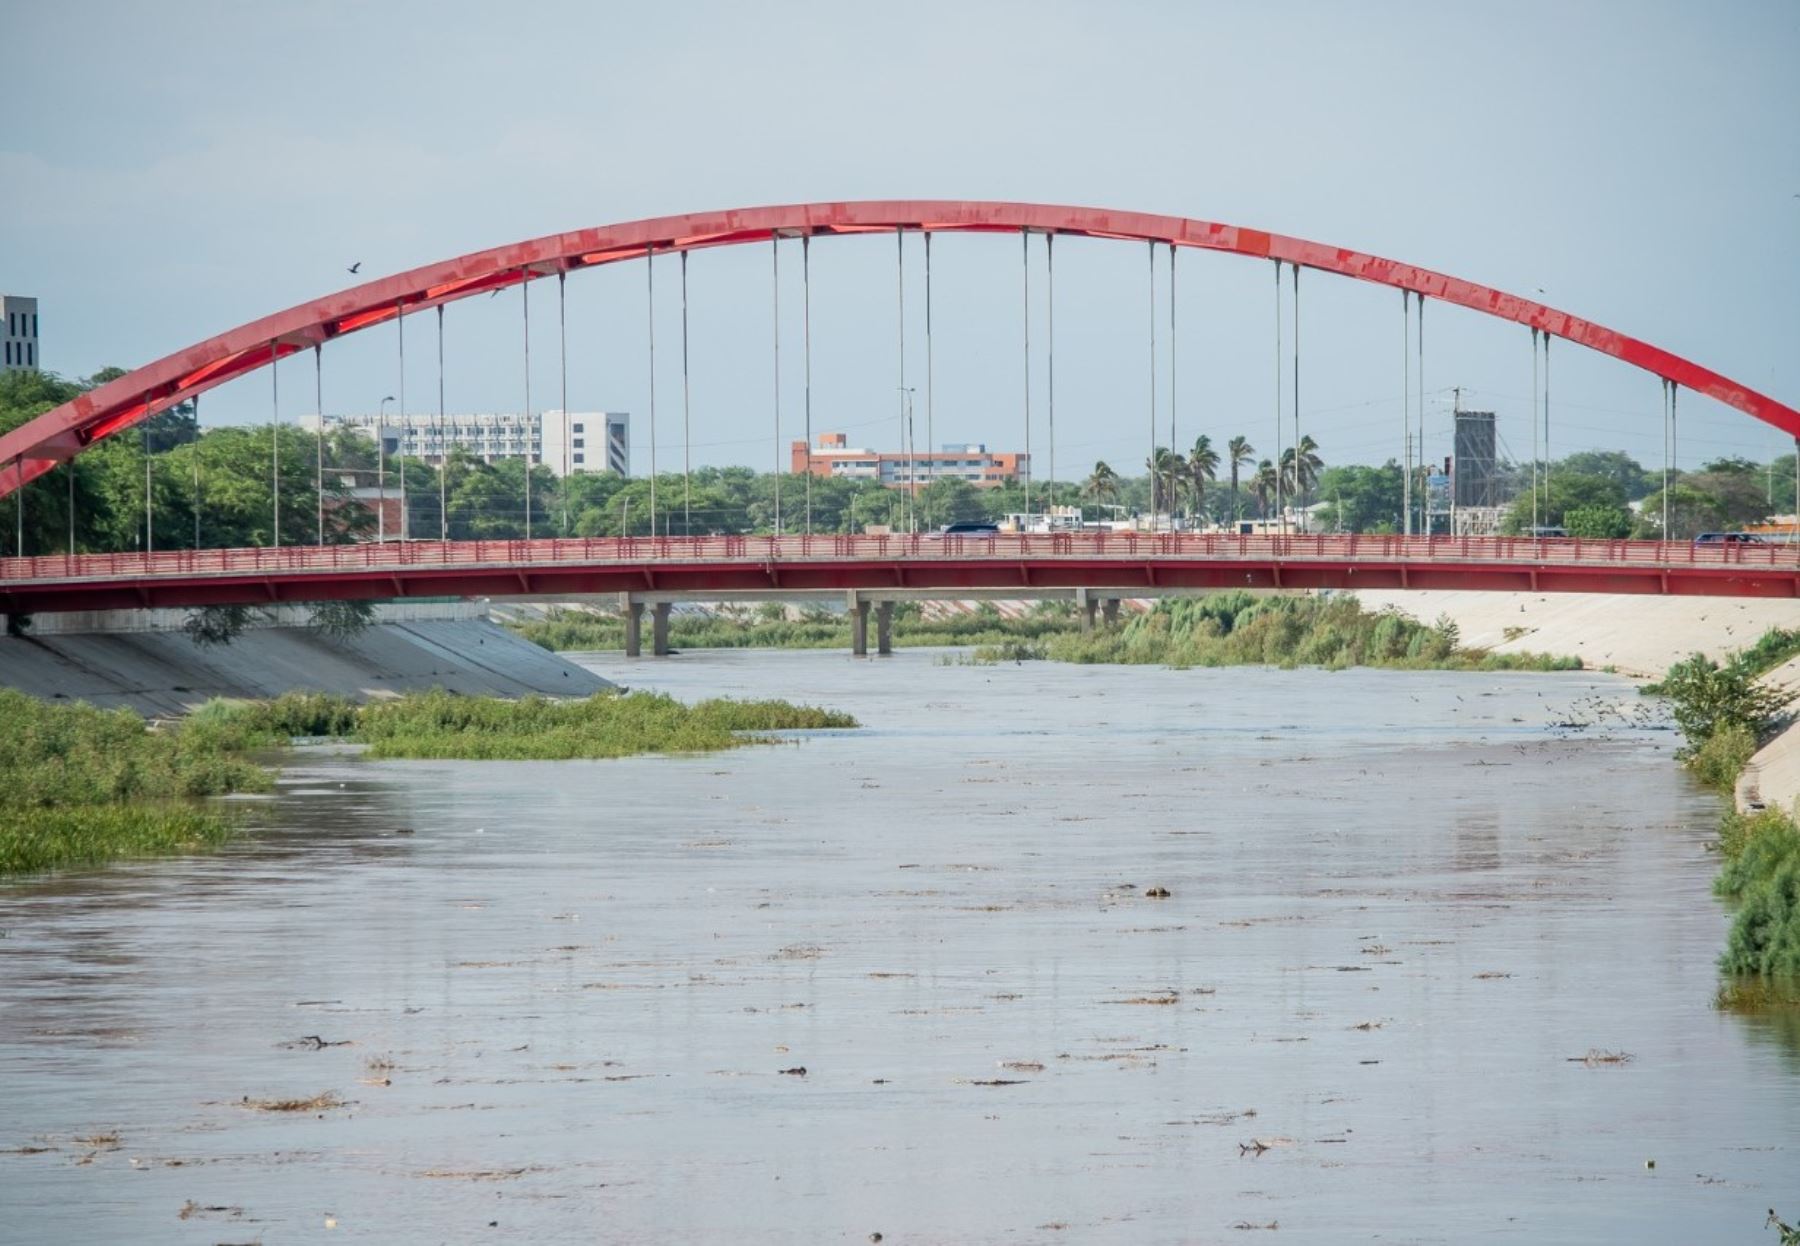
{"x": 970, "y": 528}
{"x": 1729, "y": 538}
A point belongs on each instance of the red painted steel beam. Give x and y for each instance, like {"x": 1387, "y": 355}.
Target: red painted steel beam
{"x": 57, "y": 435}
{"x": 1148, "y": 574}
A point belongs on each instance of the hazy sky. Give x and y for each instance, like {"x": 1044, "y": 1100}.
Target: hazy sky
{"x": 171, "y": 170}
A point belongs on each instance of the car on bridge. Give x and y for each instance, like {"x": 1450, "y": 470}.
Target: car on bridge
{"x": 1729, "y": 538}
{"x": 969, "y": 528}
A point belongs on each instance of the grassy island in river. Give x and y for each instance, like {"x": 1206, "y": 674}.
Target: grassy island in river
{"x": 81, "y": 786}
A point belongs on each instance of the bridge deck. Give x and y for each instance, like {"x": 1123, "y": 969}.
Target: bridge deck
{"x": 1026, "y": 563}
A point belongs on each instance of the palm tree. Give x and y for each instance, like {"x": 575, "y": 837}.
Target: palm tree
{"x": 1167, "y": 472}
{"x": 1102, "y": 483}
{"x": 1263, "y": 486}
{"x": 1240, "y": 453}
{"x": 1296, "y": 483}
{"x": 1202, "y": 467}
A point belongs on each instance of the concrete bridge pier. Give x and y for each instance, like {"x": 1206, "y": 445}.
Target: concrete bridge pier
{"x": 884, "y": 628}
{"x": 1109, "y": 610}
{"x": 659, "y": 629}
{"x": 634, "y": 629}
{"x": 1089, "y": 604}
{"x": 859, "y": 628}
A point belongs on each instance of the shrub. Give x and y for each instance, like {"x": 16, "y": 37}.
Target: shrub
{"x": 1722, "y": 756}
{"x": 1707, "y": 698}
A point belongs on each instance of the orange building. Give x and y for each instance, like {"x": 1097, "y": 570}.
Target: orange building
{"x": 834, "y": 456}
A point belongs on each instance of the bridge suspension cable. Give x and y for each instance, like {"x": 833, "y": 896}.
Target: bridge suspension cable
{"x": 1174, "y": 441}
{"x": 1050, "y": 356}
{"x": 567, "y": 466}
{"x": 442, "y": 446}
{"x": 1299, "y": 457}
{"x": 900, "y": 329}
{"x": 1549, "y": 459}
{"x": 405, "y": 428}
{"x": 650, "y": 321}
{"x": 775, "y": 320}
{"x": 319, "y": 447}
{"x": 1150, "y": 463}
{"x": 1535, "y": 521}
{"x": 71, "y": 466}
{"x": 1419, "y": 373}
{"x": 1025, "y": 306}
{"x": 1406, "y": 464}
{"x": 930, "y": 430}
{"x": 806, "y": 360}
{"x": 149, "y": 512}
{"x": 1667, "y": 455}
{"x": 687, "y": 494}
{"x": 275, "y": 440}
{"x": 1280, "y": 512}
{"x": 525, "y": 426}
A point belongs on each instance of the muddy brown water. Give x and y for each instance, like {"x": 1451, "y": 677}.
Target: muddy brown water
{"x": 572, "y": 1004}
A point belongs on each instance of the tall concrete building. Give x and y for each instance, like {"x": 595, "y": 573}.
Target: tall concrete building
{"x": 18, "y": 333}
{"x": 567, "y": 442}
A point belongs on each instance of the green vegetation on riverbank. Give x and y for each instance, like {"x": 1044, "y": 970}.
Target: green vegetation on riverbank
{"x": 1238, "y": 628}
{"x": 1224, "y": 629}
{"x": 1725, "y": 715}
{"x": 439, "y": 724}
{"x": 768, "y": 627}
{"x": 81, "y": 786}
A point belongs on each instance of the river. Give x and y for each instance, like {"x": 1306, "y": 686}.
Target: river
{"x": 571, "y": 1004}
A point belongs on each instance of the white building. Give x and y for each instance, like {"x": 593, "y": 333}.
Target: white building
{"x": 18, "y": 333}
{"x": 567, "y": 442}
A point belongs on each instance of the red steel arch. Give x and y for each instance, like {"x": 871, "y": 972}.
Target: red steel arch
{"x": 35, "y": 447}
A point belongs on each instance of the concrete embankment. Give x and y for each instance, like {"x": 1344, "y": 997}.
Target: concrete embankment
{"x": 143, "y": 660}
{"x": 1637, "y": 636}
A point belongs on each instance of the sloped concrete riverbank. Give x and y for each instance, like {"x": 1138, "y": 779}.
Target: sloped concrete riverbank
{"x": 144, "y": 661}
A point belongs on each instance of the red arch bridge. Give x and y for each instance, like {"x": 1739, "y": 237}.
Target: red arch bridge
{"x": 1028, "y": 563}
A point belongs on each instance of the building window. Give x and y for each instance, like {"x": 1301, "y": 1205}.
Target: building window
{"x": 579, "y": 443}
{"x": 34, "y": 331}
{"x": 578, "y": 429}
{"x": 9, "y": 354}
{"x": 579, "y": 457}
{"x": 12, "y": 325}
{"x": 31, "y": 351}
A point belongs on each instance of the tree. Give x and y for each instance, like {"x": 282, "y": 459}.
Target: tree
{"x": 1203, "y": 467}
{"x": 1102, "y": 484}
{"x": 1239, "y": 453}
{"x": 1300, "y": 471}
{"x": 1563, "y": 492}
{"x": 1614, "y": 465}
{"x": 1265, "y": 484}
{"x": 1609, "y": 522}
{"x": 1691, "y": 512}
{"x": 1707, "y": 698}
{"x": 1168, "y": 471}
{"x": 947, "y": 500}
{"x": 1362, "y": 499}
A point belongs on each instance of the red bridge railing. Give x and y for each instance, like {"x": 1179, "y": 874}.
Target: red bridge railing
{"x": 298, "y": 560}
